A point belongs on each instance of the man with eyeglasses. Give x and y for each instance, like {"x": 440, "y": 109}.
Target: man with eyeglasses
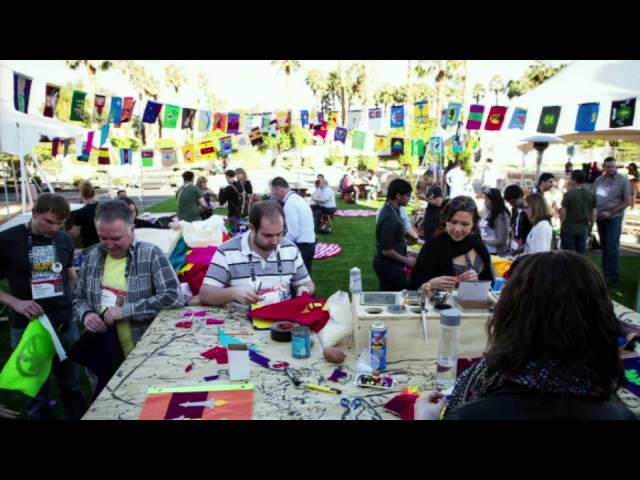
{"x": 391, "y": 249}
{"x": 260, "y": 266}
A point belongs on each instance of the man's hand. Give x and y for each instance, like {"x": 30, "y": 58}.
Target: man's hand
{"x": 111, "y": 315}
{"x": 246, "y": 295}
{"x": 410, "y": 261}
{"x": 7, "y": 413}
{"x": 94, "y": 323}
{"x": 28, "y": 308}
{"x": 429, "y": 406}
{"x": 605, "y": 214}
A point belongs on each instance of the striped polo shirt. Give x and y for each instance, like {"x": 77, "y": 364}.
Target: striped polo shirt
{"x": 234, "y": 260}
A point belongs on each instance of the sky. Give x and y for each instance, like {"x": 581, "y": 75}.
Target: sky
{"x": 248, "y": 84}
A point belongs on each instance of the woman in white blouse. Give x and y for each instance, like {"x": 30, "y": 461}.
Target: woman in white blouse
{"x": 541, "y": 235}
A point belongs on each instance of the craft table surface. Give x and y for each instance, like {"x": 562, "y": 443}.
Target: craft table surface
{"x": 160, "y": 358}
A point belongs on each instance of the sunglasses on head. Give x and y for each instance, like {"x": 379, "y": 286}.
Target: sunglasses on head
{"x": 466, "y": 205}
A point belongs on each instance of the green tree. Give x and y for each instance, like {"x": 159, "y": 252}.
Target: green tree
{"x": 496, "y": 85}
{"x": 317, "y": 83}
{"x": 478, "y": 92}
{"x": 535, "y": 75}
{"x": 91, "y": 67}
{"x": 288, "y": 68}
{"x": 174, "y": 77}
{"x": 385, "y": 95}
{"x": 444, "y": 73}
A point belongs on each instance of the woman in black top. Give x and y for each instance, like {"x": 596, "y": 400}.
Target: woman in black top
{"x": 163, "y": 222}
{"x": 457, "y": 254}
{"x": 84, "y": 227}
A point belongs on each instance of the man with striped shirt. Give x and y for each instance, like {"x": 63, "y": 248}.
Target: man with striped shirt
{"x": 260, "y": 266}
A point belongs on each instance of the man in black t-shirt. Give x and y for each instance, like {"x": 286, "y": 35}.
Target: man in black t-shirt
{"x": 520, "y": 223}
{"x": 83, "y": 219}
{"x": 231, "y": 195}
{"x": 37, "y": 260}
{"x": 391, "y": 248}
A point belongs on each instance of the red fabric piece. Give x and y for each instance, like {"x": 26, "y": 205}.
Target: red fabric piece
{"x": 187, "y": 314}
{"x": 184, "y": 324}
{"x": 194, "y": 277}
{"x": 189, "y": 368}
{"x": 402, "y": 405}
{"x": 280, "y": 365}
{"x": 302, "y": 310}
{"x": 214, "y": 321}
{"x": 200, "y": 314}
{"x": 217, "y": 353}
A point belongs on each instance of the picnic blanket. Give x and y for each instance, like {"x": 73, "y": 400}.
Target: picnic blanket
{"x": 327, "y": 250}
{"x": 355, "y": 213}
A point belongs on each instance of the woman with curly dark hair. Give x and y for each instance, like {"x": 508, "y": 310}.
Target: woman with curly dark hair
{"x": 552, "y": 349}
{"x": 494, "y": 226}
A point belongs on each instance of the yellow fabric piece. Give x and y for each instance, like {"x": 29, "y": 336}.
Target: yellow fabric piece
{"x": 261, "y": 324}
{"x": 500, "y": 265}
{"x": 186, "y": 268}
{"x": 114, "y": 277}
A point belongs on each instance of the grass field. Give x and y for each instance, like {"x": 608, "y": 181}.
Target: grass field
{"x": 356, "y": 236}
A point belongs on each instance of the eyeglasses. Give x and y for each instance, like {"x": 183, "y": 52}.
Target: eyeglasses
{"x": 466, "y": 205}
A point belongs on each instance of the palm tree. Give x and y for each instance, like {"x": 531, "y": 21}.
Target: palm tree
{"x": 317, "y": 83}
{"x": 91, "y": 67}
{"x": 288, "y": 67}
{"x": 496, "y": 84}
{"x": 478, "y": 91}
{"x": 442, "y": 71}
{"x": 174, "y": 77}
{"x": 385, "y": 95}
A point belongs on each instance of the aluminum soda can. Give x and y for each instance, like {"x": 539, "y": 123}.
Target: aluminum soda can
{"x": 378, "y": 344}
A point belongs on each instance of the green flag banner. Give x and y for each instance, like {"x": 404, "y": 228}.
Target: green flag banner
{"x": 171, "y": 114}
{"x": 417, "y": 148}
{"x": 77, "y": 106}
{"x": 30, "y": 363}
{"x": 358, "y": 140}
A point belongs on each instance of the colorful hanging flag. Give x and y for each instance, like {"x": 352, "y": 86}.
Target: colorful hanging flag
{"x": 243, "y": 142}
{"x": 89, "y": 144}
{"x": 104, "y": 134}
{"x": 380, "y": 143}
{"x": 320, "y": 130}
{"x": 188, "y": 117}
{"x": 333, "y": 119}
{"x": 204, "y": 121}
{"x": 622, "y": 113}
{"x": 284, "y": 120}
{"x": 397, "y": 117}
{"x": 233, "y": 123}
{"x": 66, "y": 144}
{"x": 437, "y": 146}
{"x": 313, "y": 118}
{"x": 187, "y": 152}
{"x": 81, "y": 156}
{"x": 273, "y": 128}
{"x": 171, "y": 114}
{"x": 495, "y": 118}
{"x": 220, "y": 122}
{"x": 103, "y": 156}
{"x": 147, "y": 158}
{"x": 255, "y": 136}
{"x": 354, "y": 118}
{"x": 518, "y": 119}
{"x": 421, "y": 112}
{"x": 151, "y": 112}
{"x": 453, "y": 114}
{"x": 320, "y": 117}
{"x": 168, "y": 156}
{"x": 397, "y": 146}
{"x": 51, "y": 98}
{"x": 99, "y": 113}
{"x": 417, "y": 147}
{"x": 77, "y": 106}
{"x": 226, "y": 145}
{"x": 549, "y": 119}
{"x": 55, "y": 146}
{"x": 375, "y": 119}
{"x": 207, "y": 150}
{"x": 340, "y": 135}
{"x": 266, "y": 121}
{"x": 359, "y": 139}
{"x": 126, "y": 156}
{"x": 443, "y": 118}
{"x": 127, "y": 109}
{"x": 30, "y": 363}
{"x": 476, "y": 112}
{"x": 115, "y": 112}
{"x": 587, "y": 117}
{"x": 21, "y": 92}
{"x": 457, "y": 143}
{"x": 304, "y": 118}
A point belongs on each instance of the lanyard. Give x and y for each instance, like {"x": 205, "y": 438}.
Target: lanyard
{"x": 252, "y": 269}
{"x": 57, "y": 266}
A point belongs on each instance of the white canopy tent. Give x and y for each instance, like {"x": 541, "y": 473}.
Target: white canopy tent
{"x": 20, "y": 133}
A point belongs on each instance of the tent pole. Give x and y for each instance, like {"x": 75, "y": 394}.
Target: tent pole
{"x": 6, "y": 193}
{"x": 41, "y": 172}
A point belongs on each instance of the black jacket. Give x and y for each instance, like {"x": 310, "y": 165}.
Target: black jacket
{"x": 515, "y": 402}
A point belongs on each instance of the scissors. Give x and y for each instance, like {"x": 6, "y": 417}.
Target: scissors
{"x": 350, "y": 405}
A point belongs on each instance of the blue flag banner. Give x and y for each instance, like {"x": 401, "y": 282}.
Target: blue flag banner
{"x": 587, "y": 117}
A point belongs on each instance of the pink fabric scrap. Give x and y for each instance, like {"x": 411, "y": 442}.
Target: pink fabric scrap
{"x": 201, "y": 313}
{"x": 217, "y": 353}
{"x": 189, "y": 368}
{"x": 184, "y": 324}
{"x": 214, "y": 321}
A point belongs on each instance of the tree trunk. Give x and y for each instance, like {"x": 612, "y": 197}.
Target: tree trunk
{"x": 408, "y": 102}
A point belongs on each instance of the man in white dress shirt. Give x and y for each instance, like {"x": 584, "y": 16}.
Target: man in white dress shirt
{"x": 298, "y": 219}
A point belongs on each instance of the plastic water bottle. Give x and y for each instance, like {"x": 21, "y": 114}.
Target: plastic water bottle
{"x": 355, "y": 280}
{"x": 448, "y": 348}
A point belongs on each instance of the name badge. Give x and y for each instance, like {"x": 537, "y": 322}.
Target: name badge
{"x": 274, "y": 295}
{"x": 47, "y": 288}
{"x": 112, "y": 297}
{"x": 602, "y": 192}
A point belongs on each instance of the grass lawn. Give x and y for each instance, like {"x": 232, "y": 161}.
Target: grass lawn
{"x": 356, "y": 236}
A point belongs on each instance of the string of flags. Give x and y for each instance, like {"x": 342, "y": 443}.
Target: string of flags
{"x": 249, "y": 129}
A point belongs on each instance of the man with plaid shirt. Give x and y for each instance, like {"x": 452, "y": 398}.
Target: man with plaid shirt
{"x": 123, "y": 283}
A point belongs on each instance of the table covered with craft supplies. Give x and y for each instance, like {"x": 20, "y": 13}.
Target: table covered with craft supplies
{"x": 181, "y": 365}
